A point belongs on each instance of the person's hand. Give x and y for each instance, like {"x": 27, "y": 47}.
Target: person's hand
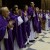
{"x": 10, "y": 25}
{"x": 25, "y": 14}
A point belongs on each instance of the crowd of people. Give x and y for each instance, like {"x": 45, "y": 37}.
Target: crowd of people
{"x": 19, "y": 27}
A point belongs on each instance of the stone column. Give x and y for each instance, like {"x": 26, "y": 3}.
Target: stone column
{"x": 42, "y": 4}
{"x": 45, "y": 4}
{"x": 0, "y": 3}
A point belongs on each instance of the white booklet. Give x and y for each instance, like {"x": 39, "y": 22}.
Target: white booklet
{"x": 20, "y": 20}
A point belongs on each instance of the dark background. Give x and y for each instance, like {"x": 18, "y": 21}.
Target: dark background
{"x": 20, "y": 3}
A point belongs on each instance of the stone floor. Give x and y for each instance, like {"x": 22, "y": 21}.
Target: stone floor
{"x": 42, "y": 43}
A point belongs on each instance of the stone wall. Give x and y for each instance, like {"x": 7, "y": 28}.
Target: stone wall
{"x": 0, "y": 3}
{"x": 45, "y": 4}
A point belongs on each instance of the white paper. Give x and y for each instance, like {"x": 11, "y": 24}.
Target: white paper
{"x": 20, "y": 20}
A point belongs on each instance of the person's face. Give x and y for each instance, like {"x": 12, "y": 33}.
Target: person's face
{"x": 26, "y": 7}
{"x": 5, "y": 12}
{"x": 48, "y": 11}
{"x": 37, "y": 9}
{"x": 16, "y": 10}
{"x": 32, "y": 4}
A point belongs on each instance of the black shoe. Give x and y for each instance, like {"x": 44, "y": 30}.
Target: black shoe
{"x": 27, "y": 43}
{"x": 32, "y": 41}
{"x": 36, "y": 37}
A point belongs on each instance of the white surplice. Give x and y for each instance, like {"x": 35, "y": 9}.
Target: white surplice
{"x": 46, "y": 24}
{"x": 32, "y": 33}
{"x": 2, "y": 41}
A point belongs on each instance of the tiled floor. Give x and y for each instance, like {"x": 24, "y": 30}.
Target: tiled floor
{"x": 42, "y": 43}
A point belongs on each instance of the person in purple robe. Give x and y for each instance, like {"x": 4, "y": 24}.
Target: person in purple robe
{"x": 27, "y": 23}
{"x": 5, "y": 30}
{"x": 23, "y": 26}
{"x": 47, "y": 20}
{"x": 37, "y": 22}
{"x": 18, "y": 37}
{"x": 31, "y": 13}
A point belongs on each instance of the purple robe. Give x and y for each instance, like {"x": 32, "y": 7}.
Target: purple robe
{"x": 24, "y": 29}
{"x": 30, "y": 13}
{"x": 28, "y": 28}
{"x": 10, "y": 39}
{"x": 10, "y": 36}
{"x": 3, "y": 26}
{"x": 27, "y": 25}
{"x": 37, "y": 23}
{"x": 17, "y": 32}
{"x": 9, "y": 42}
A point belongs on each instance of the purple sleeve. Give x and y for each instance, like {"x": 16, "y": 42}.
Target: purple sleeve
{"x": 2, "y": 29}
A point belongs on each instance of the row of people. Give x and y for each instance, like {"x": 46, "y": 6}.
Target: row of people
{"x": 19, "y": 27}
